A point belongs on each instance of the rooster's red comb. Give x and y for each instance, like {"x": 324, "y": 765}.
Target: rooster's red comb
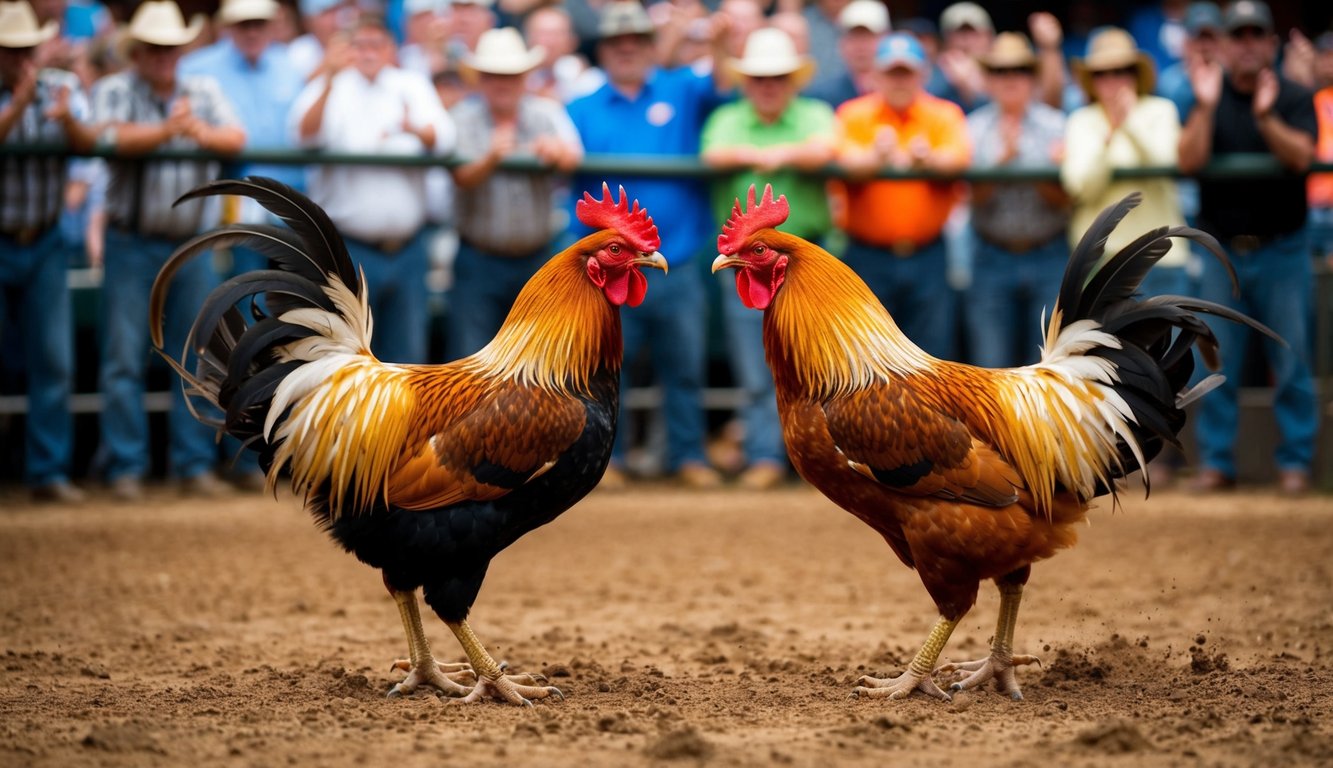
{"x": 634, "y": 223}
{"x": 742, "y": 224}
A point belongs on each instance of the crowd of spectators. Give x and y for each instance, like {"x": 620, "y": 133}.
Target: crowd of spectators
{"x": 760, "y": 91}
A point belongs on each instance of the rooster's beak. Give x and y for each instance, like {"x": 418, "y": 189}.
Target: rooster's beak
{"x": 724, "y": 261}
{"x": 655, "y": 260}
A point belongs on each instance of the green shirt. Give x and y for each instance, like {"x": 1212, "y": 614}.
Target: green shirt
{"x": 737, "y": 124}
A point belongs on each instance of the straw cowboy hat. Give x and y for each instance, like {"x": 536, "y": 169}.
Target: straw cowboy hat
{"x": 1113, "y": 48}
{"x": 1010, "y": 51}
{"x": 236, "y": 11}
{"x": 770, "y": 52}
{"x": 159, "y": 22}
{"x": 502, "y": 52}
{"x": 18, "y": 26}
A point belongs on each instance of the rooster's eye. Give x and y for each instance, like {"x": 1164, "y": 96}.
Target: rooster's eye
{"x": 615, "y": 249}
{"x": 760, "y": 249}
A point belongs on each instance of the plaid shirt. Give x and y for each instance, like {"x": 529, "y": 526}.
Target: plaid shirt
{"x": 32, "y": 188}
{"x": 141, "y": 195}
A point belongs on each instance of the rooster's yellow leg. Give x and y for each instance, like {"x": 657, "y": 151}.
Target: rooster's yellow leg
{"x": 999, "y": 666}
{"x": 421, "y": 667}
{"x": 917, "y": 677}
{"x": 491, "y": 680}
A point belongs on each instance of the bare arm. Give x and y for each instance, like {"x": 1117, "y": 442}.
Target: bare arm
{"x": 1048, "y": 36}
{"x": 313, "y": 119}
{"x": 1293, "y": 148}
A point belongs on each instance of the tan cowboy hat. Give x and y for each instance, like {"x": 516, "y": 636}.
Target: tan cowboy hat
{"x": 1113, "y": 48}
{"x": 18, "y": 26}
{"x": 236, "y": 11}
{"x": 1010, "y": 51}
{"x": 159, "y": 22}
{"x": 770, "y": 52}
{"x": 501, "y": 52}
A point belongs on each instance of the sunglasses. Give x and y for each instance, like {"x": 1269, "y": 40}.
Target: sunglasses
{"x": 1247, "y": 33}
{"x": 761, "y": 79}
{"x": 1121, "y": 72}
{"x": 1011, "y": 71}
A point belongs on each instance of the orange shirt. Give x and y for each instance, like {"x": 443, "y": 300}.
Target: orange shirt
{"x": 889, "y": 213}
{"x": 1320, "y": 187}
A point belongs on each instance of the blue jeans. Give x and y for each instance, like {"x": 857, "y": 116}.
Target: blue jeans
{"x": 1276, "y": 288}
{"x": 1006, "y": 300}
{"x": 132, "y": 262}
{"x": 745, "y": 342}
{"x": 1321, "y": 231}
{"x": 485, "y": 287}
{"x": 915, "y": 289}
{"x": 399, "y": 299}
{"x": 670, "y": 326}
{"x": 37, "y": 271}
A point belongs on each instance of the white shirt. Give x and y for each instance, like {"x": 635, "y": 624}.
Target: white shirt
{"x": 368, "y": 202}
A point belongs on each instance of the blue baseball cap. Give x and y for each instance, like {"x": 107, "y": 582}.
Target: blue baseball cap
{"x": 1200, "y": 16}
{"x": 900, "y": 49}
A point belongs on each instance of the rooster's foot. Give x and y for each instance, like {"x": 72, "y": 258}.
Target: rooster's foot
{"x": 514, "y": 689}
{"x": 899, "y": 687}
{"x": 451, "y": 679}
{"x": 997, "y": 668}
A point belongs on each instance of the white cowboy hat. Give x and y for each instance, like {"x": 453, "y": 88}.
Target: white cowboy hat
{"x": 770, "y": 52}
{"x": 1113, "y": 48}
{"x": 159, "y": 22}
{"x": 18, "y": 26}
{"x": 502, "y": 52}
{"x": 236, "y": 11}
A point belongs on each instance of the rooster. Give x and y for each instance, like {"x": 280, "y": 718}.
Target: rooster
{"x": 425, "y": 472}
{"x": 970, "y": 473}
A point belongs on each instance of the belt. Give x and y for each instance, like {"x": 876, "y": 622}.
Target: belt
{"x": 26, "y": 236}
{"x": 389, "y": 245}
{"x": 1245, "y": 244}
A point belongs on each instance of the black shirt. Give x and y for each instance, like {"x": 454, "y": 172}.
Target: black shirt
{"x": 1265, "y": 207}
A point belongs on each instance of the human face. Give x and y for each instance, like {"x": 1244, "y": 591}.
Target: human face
{"x": 1247, "y": 51}
{"x": 501, "y": 92}
{"x": 769, "y": 95}
{"x": 251, "y": 37}
{"x": 156, "y": 64}
{"x": 469, "y": 21}
{"x": 1011, "y": 87}
{"x": 899, "y": 85}
{"x": 626, "y": 58}
{"x": 372, "y": 51}
{"x": 551, "y": 30}
{"x": 970, "y": 40}
{"x": 12, "y": 62}
{"x": 858, "y": 49}
{"x": 1107, "y": 83}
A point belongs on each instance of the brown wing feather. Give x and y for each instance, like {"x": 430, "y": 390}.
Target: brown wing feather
{"x": 895, "y": 437}
{"x": 504, "y": 436}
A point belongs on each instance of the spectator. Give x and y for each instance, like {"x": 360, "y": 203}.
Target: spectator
{"x": 1321, "y": 184}
{"x": 505, "y": 218}
{"x": 645, "y": 110}
{"x": 1203, "y": 36}
{"x": 144, "y": 108}
{"x": 1159, "y": 30}
{"x": 767, "y": 137}
{"x": 1245, "y": 106}
{"x": 468, "y": 21}
{"x": 1124, "y": 126}
{"x": 822, "y": 17}
{"x": 863, "y": 23}
{"x": 966, "y": 33}
{"x": 563, "y": 73}
{"x": 326, "y": 23}
{"x": 39, "y": 106}
{"x": 426, "y": 29}
{"x": 895, "y": 227}
{"x": 1019, "y": 227}
{"x": 366, "y": 106}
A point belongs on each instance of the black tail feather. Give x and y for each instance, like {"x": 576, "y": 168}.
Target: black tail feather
{"x": 236, "y": 333}
{"x": 1155, "y": 363}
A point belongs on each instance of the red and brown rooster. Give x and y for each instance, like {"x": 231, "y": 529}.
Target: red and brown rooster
{"x": 970, "y": 473}
{"x": 425, "y": 472}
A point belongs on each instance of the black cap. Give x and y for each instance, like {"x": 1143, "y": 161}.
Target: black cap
{"x": 1249, "y": 13}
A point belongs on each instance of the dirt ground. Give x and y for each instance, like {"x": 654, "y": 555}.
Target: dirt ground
{"x": 720, "y": 628}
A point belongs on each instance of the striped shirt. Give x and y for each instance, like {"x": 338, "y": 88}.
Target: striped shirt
{"x": 32, "y": 188}
{"x": 510, "y": 213}
{"x": 140, "y": 195}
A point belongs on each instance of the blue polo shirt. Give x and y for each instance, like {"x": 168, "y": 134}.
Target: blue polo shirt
{"x": 666, "y": 118}
{"x": 261, "y": 95}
